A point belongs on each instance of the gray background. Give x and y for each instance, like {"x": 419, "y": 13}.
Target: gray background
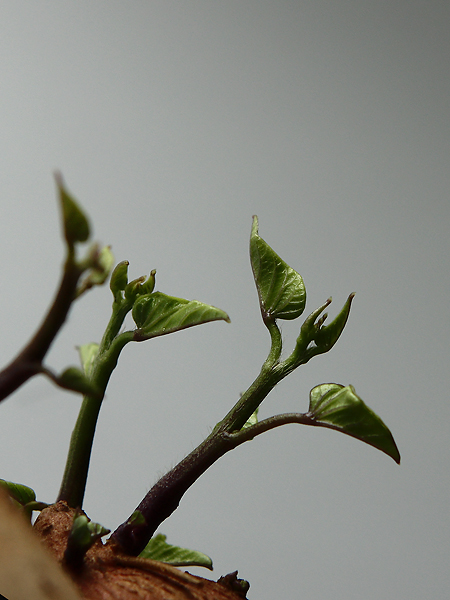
{"x": 173, "y": 123}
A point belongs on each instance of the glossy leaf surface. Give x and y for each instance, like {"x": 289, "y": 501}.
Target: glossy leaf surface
{"x": 158, "y": 314}
{"x": 281, "y": 290}
{"x": 159, "y": 549}
{"x": 338, "y": 407}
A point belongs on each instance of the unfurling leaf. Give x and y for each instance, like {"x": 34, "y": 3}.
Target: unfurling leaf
{"x": 281, "y": 291}
{"x": 158, "y": 314}
{"x": 159, "y": 549}
{"x": 328, "y": 335}
{"x": 149, "y": 284}
{"x": 337, "y": 407}
{"x": 76, "y": 224}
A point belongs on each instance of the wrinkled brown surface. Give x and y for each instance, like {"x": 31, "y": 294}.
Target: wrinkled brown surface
{"x": 107, "y": 574}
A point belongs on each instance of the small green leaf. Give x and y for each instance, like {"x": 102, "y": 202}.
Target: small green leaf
{"x": 76, "y": 224}
{"x": 337, "y": 407}
{"x": 281, "y": 291}
{"x": 158, "y": 314}
{"x": 18, "y": 492}
{"x": 133, "y": 289}
{"x": 76, "y": 381}
{"x": 252, "y": 420}
{"x": 137, "y": 518}
{"x": 83, "y": 535}
{"x": 159, "y": 549}
{"x": 88, "y": 353}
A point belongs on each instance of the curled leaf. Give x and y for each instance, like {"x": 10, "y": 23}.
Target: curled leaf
{"x": 159, "y": 549}
{"x": 119, "y": 278}
{"x": 149, "y": 285}
{"x": 327, "y": 335}
{"x": 281, "y": 291}
{"x": 337, "y": 407}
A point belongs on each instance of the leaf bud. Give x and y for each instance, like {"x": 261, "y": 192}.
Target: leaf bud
{"x": 75, "y": 222}
{"x": 149, "y": 285}
{"x": 326, "y": 336}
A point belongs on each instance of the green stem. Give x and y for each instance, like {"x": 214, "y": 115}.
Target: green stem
{"x": 260, "y": 388}
{"x": 164, "y": 497}
{"x": 74, "y": 480}
{"x": 249, "y": 433}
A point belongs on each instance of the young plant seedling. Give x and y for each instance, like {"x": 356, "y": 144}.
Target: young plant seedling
{"x": 282, "y": 296}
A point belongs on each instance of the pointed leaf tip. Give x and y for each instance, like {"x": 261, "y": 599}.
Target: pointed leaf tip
{"x": 281, "y": 291}
{"x": 158, "y": 314}
{"x": 327, "y": 335}
{"x": 340, "y": 408}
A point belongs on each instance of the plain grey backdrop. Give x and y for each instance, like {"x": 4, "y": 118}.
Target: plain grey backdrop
{"x": 173, "y": 123}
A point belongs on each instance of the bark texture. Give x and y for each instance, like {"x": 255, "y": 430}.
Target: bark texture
{"x": 108, "y": 574}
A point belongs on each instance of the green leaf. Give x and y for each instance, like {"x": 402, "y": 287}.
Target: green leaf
{"x": 252, "y": 420}
{"x": 137, "y": 518}
{"x": 133, "y": 289}
{"x": 76, "y": 224}
{"x": 159, "y": 549}
{"x": 281, "y": 291}
{"x": 88, "y": 353}
{"x": 158, "y": 314}
{"x": 75, "y": 380}
{"x": 337, "y": 407}
{"x": 149, "y": 285}
{"x": 84, "y": 533}
{"x": 18, "y": 492}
